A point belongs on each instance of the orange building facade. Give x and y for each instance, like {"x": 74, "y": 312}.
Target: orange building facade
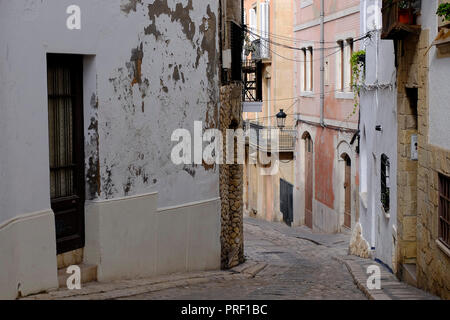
{"x": 326, "y": 162}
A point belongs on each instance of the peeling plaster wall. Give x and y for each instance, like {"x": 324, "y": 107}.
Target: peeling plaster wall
{"x": 152, "y": 67}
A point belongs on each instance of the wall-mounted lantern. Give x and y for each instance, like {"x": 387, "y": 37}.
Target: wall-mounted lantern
{"x": 281, "y": 119}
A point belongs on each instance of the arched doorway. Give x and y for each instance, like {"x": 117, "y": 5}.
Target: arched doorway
{"x": 308, "y": 180}
{"x": 347, "y": 191}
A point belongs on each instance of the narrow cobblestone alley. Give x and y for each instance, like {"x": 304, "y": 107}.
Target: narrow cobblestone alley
{"x": 297, "y": 268}
{"x": 282, "y": 263}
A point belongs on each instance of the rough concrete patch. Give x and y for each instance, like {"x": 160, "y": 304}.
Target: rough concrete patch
{"x": 180, "y": 14}
{"x": 129, "y": 5}
{"x": 137, "y": 55}
{"x": 151, "y": 29}
{"x": 176, "y": 74}
{"x": 93, "y": 171}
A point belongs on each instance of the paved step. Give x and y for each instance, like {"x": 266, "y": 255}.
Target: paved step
{"x": 409, "y": 274}
{"x": 391, "y": 287}
{"x": 88, "y": 274}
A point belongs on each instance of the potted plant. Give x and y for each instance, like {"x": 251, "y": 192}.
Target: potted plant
{"x": 405, "y": 13}
{"x": 443, "y": 11}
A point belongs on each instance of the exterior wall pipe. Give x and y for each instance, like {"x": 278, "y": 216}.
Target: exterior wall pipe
{"x": 322, "y": 61}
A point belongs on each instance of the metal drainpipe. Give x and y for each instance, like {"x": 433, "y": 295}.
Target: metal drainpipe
{"x": 242, "y": 12}
{"x": 322, "y": 62}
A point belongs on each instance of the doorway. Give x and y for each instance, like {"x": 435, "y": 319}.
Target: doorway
{"x": 347, "y": 191}
{"x": 66, "y": 148}
{"x": 286, "y": 201}
{"x": 308, "y": 181}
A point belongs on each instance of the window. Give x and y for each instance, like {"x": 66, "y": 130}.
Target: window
{"x": 304, "y": 70}
{"x": 340, "y": 84}
{"x": 348, "y": 65}
{"x": 385, "y": 184}
{"x": 264, "y": 28}
{"x": 237, "y": 41}
{"x": 444, "y": 210}
{"x": 344, "y": 65}
{"x": 252, "y": 23}
{"x": 307, "y": 69}
{"x": 311, "y": 70}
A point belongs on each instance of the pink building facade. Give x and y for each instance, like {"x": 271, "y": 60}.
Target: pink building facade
{"x": 326, "y": 164}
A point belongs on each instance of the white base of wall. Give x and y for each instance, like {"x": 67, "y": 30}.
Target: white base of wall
{"x": 28, "y": 258}
{"x": 130, "y": 238}
{"x": 126, "y": 238}
{"x": 325, "y": 219}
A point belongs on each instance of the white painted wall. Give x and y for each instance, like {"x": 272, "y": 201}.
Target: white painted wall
{"x": 439, "y": 79}
{"x": 378, "y": 107}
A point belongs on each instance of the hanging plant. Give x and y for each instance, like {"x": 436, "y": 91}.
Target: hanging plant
{"x": 444, "y": 11}
{"x": 358, "y": 61}
{"x": 249, "y": 46}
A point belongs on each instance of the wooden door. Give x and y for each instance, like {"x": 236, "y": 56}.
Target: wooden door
{"x": 286, "y": 201}
{"x": 308, "y": 182}
{"x": 348, "y": 188}
{"x": 66, "y": 144}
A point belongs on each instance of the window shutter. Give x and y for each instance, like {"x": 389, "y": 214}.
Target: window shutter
{"x": 237, "y": 39}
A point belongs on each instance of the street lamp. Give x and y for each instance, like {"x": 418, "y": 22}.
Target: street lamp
{"x": 281, "y": 119}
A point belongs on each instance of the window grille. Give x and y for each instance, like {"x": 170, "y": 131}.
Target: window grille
{"x": 444, "y": 210}
{"x": 385, "y": 187}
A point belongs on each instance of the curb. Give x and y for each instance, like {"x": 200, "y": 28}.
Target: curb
{"x": 359, "y": 281}
{"x": 130, "y": 288}
{"x": 391, "y": 287}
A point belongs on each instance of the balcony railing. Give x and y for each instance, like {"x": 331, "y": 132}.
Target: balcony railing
{"x": 270, "y": 139}
{"x": 261, "y": 49}
{"x": 399, "y": 18}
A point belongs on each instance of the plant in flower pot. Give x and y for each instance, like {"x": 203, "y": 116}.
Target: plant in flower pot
{"x": 405, "y": 12}
{"x": 443, "y": 12}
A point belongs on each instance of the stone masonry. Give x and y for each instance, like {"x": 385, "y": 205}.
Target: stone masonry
{"x": 433, "y": 263}
{"x": 231, "y": 181}
{"x": 407, "y": 79}
{"x": 418, "y": 181}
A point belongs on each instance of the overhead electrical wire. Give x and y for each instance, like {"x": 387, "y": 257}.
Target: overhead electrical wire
{"x": 297, "y": 100}
{"x": 308, "y": 95}
{"x": 286, "y": 38}
{"x": 287, "y": 46}
{"x": 302, "y": 61}
{"x": 245, "y": 28}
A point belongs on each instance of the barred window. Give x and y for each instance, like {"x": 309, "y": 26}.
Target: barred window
{"x": 444, "y": 210}
{"x": 385, "y": 185}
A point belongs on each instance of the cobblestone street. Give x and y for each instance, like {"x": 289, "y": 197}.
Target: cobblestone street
{"x": 297, "y": 268}
{"x": 282, "y": 263}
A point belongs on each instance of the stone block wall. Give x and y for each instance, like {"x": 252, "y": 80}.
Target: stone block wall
{"x": 433, "y": 262}
{"x": 407, "y": 77}
{"x": 418, "y": 181}
{"x": 231, "y": 182}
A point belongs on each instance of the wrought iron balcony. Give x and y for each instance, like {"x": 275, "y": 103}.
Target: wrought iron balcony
{"x": 270, "y": 139}
{"x": 399, "y": 18}
{"x": 261, "y": 50}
